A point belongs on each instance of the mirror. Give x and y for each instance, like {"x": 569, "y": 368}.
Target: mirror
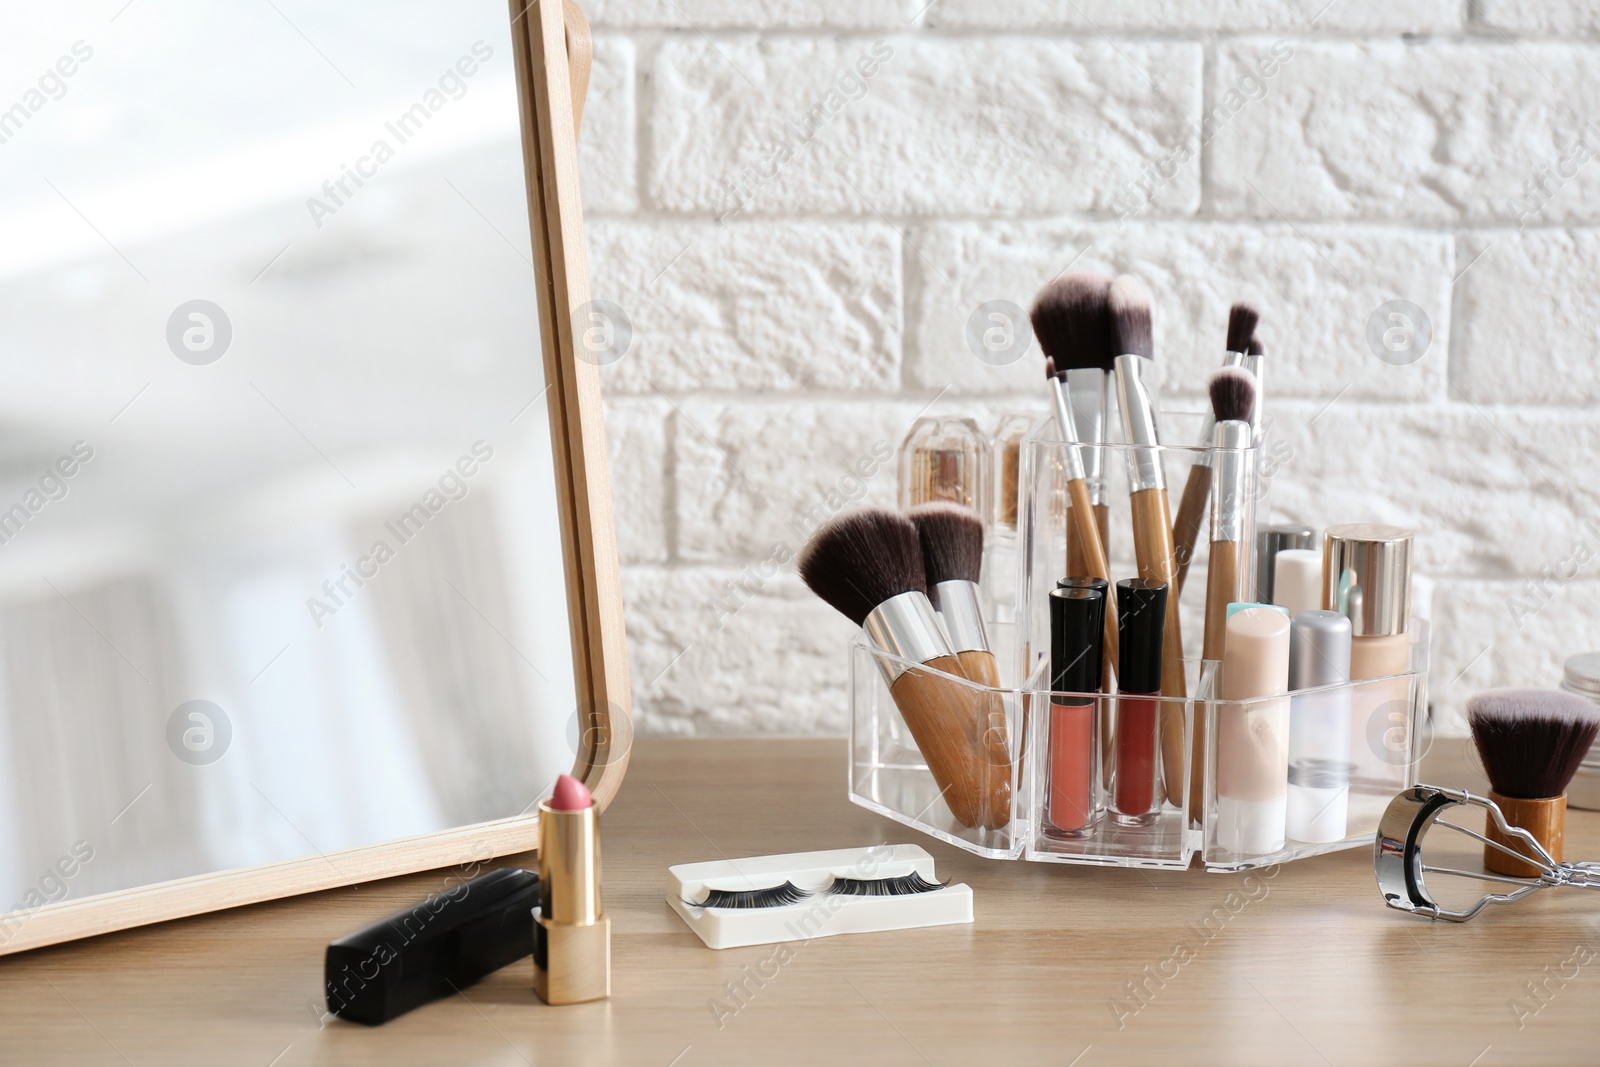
{"x": 298, "y": 528}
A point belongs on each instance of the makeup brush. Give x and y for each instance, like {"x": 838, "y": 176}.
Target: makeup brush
{"x": 1073, "y": 327}
{"x": 1132, "y": 337}
{"x": 1254, "y": 362}
{"x": 1531, "y": 742}
{"x": 952, "y": 559}
{"x": 868, "y": 565}
{"x": 1242, "y": 319}
{"x": 1233, "y": 396}
{"x": 1092, "y": 562}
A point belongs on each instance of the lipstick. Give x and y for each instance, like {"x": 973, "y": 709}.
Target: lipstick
{"x": 571, "y": 934}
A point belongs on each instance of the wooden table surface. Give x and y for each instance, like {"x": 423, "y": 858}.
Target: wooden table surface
{"x": 1313, "y": 970}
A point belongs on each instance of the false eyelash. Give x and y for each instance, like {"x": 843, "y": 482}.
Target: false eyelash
{"x": 883, "y": 887}
{"x": 775, "y": 897}
{"x": 788, "y": 893}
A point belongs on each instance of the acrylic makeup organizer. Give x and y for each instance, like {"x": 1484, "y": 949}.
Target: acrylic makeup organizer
{"x": 888, "y": 775}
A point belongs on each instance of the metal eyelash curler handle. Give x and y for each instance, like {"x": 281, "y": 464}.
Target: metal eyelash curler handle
{"x": 1397, "y": 855}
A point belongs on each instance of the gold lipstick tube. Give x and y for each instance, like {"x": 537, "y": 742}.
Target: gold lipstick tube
{"x": 571, "y": 933}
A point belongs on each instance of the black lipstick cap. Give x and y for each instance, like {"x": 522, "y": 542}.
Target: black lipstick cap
{"x": 1141, "y": 621}
{"x": 1077, "y": 632}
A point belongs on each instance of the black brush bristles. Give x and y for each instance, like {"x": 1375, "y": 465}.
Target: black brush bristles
{"x": 1132, "y": 333}
{"x": 1255, "y": 347}
{"x": 883, "y": 887}
{"x": 952, "y": 542}
{"x": 1050, "y": 369}
{"x": 1071, "y": 322}
{"x": 776, "y": 897}
{"x": 1233, "y": 394}
{"x": 1243, "y": 318}
{"x": 857, "y": 560}
{"x": 1531, "y": 740}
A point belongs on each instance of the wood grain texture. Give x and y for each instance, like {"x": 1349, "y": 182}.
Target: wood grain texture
{"x": 549, "y": 113}
{"x": 1545, "y": 819}
{"x": 961, "y": 733}
{"x": 1092, "y": 544}
{"x": 1191, "y": 514}
{"x": 1313, "y": 970}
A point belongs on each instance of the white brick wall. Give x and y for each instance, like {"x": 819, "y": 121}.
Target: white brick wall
{"x": 1321, "y": 158}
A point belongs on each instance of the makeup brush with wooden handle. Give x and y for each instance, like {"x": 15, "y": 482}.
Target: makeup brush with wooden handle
{"x": 951, "y": 536}
{"x": 1134, "y": 344}
{"x": 1242, "y": 319}
{"x": 1233, "y": 395}
{"x": 1072, "y": 322}
{"x": 868, "y": 565}
{"x": 1531, "y": 742}
{"x": 1073, "y": 327}
{"x": 1082, "y": 515}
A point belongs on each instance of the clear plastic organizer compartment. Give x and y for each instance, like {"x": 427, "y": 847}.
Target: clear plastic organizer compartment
{"x": 974, "y": 734}
{"x": 1044, "y": 526}
{"x": 1086, "y": 777}
{"x": 1313, "y": 771}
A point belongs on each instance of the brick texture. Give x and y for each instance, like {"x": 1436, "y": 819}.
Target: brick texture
{"x": 799, "y": 207}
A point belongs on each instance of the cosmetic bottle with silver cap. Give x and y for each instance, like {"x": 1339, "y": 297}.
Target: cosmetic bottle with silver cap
{"x": 1366, "y": 576}
{"x": 1319, "y": 726}
{"x": 1271, "y": 540}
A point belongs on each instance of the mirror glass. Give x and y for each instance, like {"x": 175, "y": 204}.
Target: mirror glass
{"x": 280, "y": 562}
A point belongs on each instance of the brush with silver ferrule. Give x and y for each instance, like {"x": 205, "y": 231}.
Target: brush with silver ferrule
{"x": 1133, "y": 337}
{"x": 1255, "y": 363}
{"x": 1091, "y": 562}
{"x": 952, "y": 560}
{"x": 1073, "y": 326}
{"x": 1232, "y": 498}
{"x": 868, "y": 565}
{"x": 1242, "y": 319}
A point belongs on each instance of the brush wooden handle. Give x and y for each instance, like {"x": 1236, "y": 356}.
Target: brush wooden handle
{"x": 1191, "y": 514}
{"x": 961, "y": 732}
{"x": 1152, "y": 548}
{"x": 979, "y": 665}
{"x": 1094, "y": 557}
{"x": 1545, "y": 819}
{"x": 1077, "y": 565}
{"x": 1224, "y": 585}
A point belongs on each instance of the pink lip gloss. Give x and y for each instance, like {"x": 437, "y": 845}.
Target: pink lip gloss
{"x": 1136, "y": 774}
{"x": 1077, "y": 626}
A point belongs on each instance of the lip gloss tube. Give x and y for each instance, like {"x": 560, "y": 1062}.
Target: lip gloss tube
{"x": 1136, "y": 776}
{"x": 1077, "y": 623}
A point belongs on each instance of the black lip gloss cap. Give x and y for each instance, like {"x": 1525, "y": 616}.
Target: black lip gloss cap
{"x": 1077, "y": 630}
{"x": 1141, "y": 622}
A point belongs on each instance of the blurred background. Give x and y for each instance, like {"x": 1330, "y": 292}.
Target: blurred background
{"x": 799, "y": 282}
{"x": 244, "y": 346}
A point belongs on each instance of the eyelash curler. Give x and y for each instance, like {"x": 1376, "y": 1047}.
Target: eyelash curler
{"x": 1397, "y": 855}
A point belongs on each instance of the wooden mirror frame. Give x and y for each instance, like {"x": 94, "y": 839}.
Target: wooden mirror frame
{"x": 552, "y": 52}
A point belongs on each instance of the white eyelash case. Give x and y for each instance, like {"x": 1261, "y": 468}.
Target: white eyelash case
{"x": 766, "y": 899}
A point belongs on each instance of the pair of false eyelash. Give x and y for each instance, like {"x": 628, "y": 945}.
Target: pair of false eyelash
{"x": 788, "y": 893}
